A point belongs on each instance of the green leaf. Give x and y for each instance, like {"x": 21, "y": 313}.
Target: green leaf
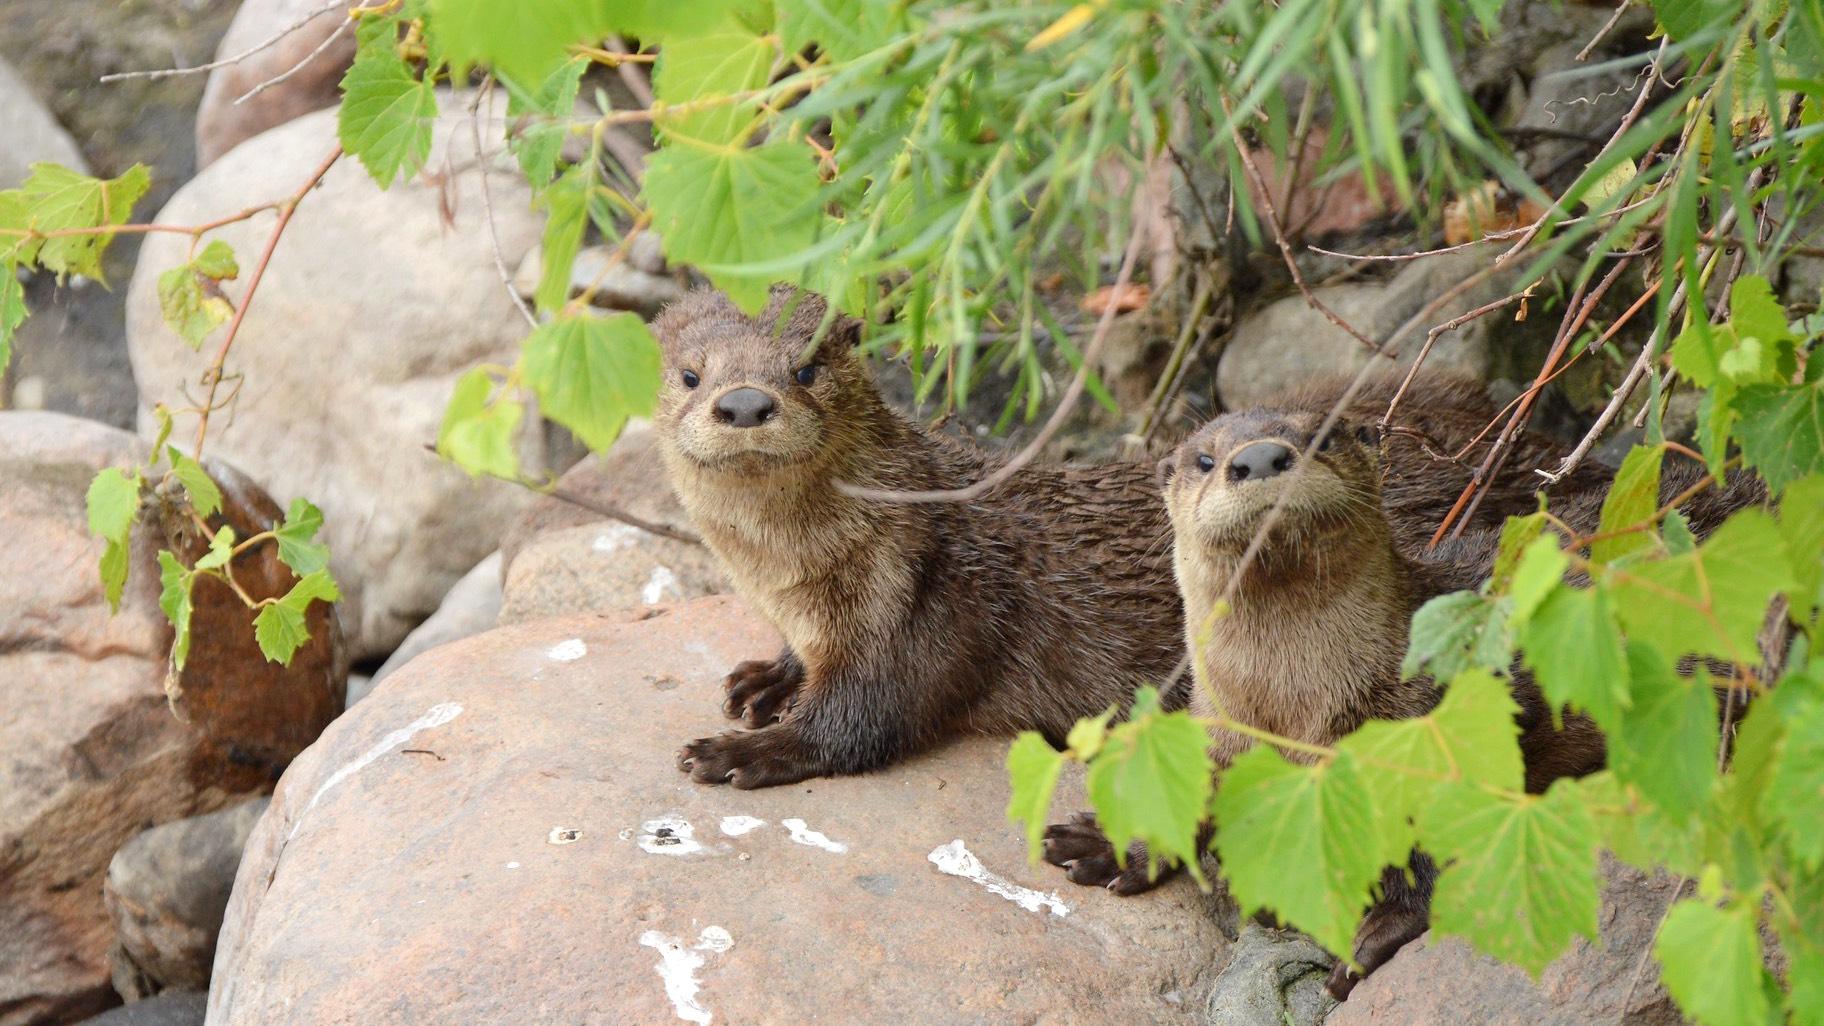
{"x": 113, "y": 503}
{"x": 189, "y": 310}
{"x": 1708, "y": 602}
{"x": 1573, "y": 646}
{"x": 281, "y": 628}
{"x": 1802, "y": 525}
{"x": 57, "y": 199}
{"x": 12, "y": 309}
{"x": 1516, "y": 534}
{"x": 1756, "y": 316}
{"x": 1636, "y": 831}
{"x": 1666, "y": 743}
{"x": 217, "y": 261}
{"x": 386, "y": 113}
{"x": 1470, "y": 738}
{"x": 703, "y": 72}
{"x": 1088, "y": 735}
{"x": 174, "y": 598}
{"x": 1538, "y": 574}
{"x": 1032, "y": 772}
{"x": 114, "y": 572}
{"x": 297, "y": 547}
{"x": 720, "y": 209}
{"x": 1458, "y": 631}
{"x": 1781, "y": 429}
{"x": 1299, "y": 840}
{"x": 221, "y": 550}
{"x": 204, "y": 495}
{"x": 540, "y": 143}
{"x": 1519, "y": 878}
{"x": 1151, "y": 781}
{"x": 568, "y": 202}
{"x": 524, "y": 40}
{"x": 592, "y": 373}
{"x": 1632, "y": 501}
{"x": 843, "y": 29}
{"x": 1796, "y": 795}
{"x": 477, "y": 436}
{"x": 1683, "y": 19}
{"x": 1710, "y": 962}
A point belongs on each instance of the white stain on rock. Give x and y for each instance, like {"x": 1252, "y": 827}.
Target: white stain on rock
{"x": 616, "y": 537}
{"x": 668, "y": 835}
{"x": 436, "y": 716}
{"x": 661, "y": 581}
{"x": 735, "y": 826}
{"x": 568, "y": 651}
{"x": 957, "y": 860}
{"x": 805, "y": 835}
{"x": 678, "y": 967}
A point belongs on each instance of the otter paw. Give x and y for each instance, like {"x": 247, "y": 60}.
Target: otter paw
{"x": 761, "y": 691}
{"x": 1384, "y": 931}
{"x": 1079, "y": 846}
{"x": 746, "y": 759}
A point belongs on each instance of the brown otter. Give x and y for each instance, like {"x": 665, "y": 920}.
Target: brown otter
{"x": 1312, "y": 644}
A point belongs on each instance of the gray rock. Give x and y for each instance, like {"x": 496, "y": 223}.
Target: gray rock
{"x": 619, "y": 284}
{"x": 31, "y": 133}
{"x": 472, "y": 606}
{"x": 171, "y": 1008}
{"x": 166, "y": 890}
{"x": 1274, "y": 978}
{"x": 221, "y": 122}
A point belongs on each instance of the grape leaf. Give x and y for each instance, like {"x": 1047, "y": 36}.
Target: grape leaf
{"x": 1151, "y": 781}
{"x": 1299, "y": 840}
{"x": 1573, "y": 646}
{"x": 540, "y": 143}
{"x": 523, "y": 40}
{"x": 1796, "y": 793}
{"x": 174, "y": 598}
{"x": 217, "y": 261}
{"x": 1519, "y": 878}
{"x": 727, "y": 207}
{"x": 187, "y": 308}
{"x": 1802, "y": 525}
{"x": 12, "y": 309}
{"x": 114, "y": 572}
{"x": 221, "y": 550}
{"x": 568, "y": 202}
{"x": 1516, "y": 534}
{"x": 1683, "y": 19}
{"x": 113, "y": 503}
{"x": 280, "y": 628}
{"x": 297, "y": 547}
{"x": 712, "y": 67}
{"x": 1536, "y": 577}
{"x": 386, "y": 113}
{"x": 1032, "y": 772}
{"x": 1458, "y": 631}
{"x": 592, "y": 373}
{"x": 477, "y": 436}
{"x": 1710, "y": 961}
{"x": 1781, "y": 429}
{"x": 1708, "y": 602}
{"x": 1632, "y": 501}
{"x": 1636, "y": 831}
{"x": 201, "y": 488}
{"x": 56, "y": 199}
{"x": 1666, "y": 743}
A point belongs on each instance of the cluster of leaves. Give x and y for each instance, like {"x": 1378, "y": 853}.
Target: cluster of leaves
{"x": 1638, "y": 626}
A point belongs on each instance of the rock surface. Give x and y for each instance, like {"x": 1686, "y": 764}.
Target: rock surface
{"x": 31, "y": 133}
{"x": 166, "y": 890}
{"x": 221, "y": 123}
{"x": 472, "y": 606}
{"x": 444, "y": 798}
{"x": 90, "y": 752}
{"x": 399, "y": 302}
{"x": 618, "y": 283}
{"x": 1434, "y": 983}
{"x": 560, "y": 557}
{"x": 172, "y": 1008}
{"x": 1274, "y": 978}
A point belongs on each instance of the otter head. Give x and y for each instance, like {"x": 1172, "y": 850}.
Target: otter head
{"x": 1220, "y": 484}
{"x": 755, "y": 394}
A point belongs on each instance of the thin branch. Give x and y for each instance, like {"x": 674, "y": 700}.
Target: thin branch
{"x": 628, "y": 67}
{"x": 1607, "y": 27}
{"x": 487, "y": 205}
{"x": 266, "y": 44}
{"x": 1431, "y": 339}
{"x": 614, "y": 512}
{"x": 299, "y": 66}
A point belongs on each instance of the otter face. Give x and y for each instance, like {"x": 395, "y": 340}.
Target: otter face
{"x": 1223, "y": 480}
{"x": 752, "y": 394}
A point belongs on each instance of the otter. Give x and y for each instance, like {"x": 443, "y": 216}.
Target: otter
{"x": 1311, "y": 647}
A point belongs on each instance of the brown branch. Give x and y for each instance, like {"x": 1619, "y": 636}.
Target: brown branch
{"x": 266, "y": 44}
{"x": 286, "y": 208}
{"x": 614, "y": 512}
{"x": 328, "y": 41}
{"x": 1431, "y": 339}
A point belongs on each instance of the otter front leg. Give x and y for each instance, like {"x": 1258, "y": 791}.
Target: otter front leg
{"x": 767, "y": 757}
{"x": 762, "y": 691}
{"x": 1086, "y": 856}
{"x": 1398, "y": 918}
{"x": 839, "y": 724}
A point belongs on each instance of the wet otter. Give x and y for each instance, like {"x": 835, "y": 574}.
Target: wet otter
{"x": 1312, "y": 645}
{"x": 1049, "y": 599}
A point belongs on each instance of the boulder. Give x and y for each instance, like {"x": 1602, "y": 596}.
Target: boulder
{"x": 171, "y": 1008}
{"x": 301, "y": 26}
{"x": 374, "y": 303}
{"x": 31, "y": 133}
{"x": 1445, "y": 982}
{"x": 96, "y": 743}
{"x": 618, "y": 283}
{"x": 1288, "y": 341}
{"x": 563, "y": 557}
{"x": 471, "y": 607}
{"x": 166, "y": 890}
{"x": 499, "y": 834}
{"x": 1274, "y": 978}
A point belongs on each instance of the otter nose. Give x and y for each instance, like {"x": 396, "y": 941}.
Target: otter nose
{"x": 744, "y": 407}
{"x": 1260, "y": 460}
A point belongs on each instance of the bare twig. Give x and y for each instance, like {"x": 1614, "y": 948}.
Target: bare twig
{"x": 1431, "y": 339}
{"x": 487, "y": 205}
{"x": 265, "y": 44}
{"x": 1200, "y": 302}
{"x": 614, "y": 512}
{"x": 286, "y": 208}
{"x": 327, "y": 42}
{"x": 1607, "y": 27}
{"x": 1066, "y": 405}
{"x": 629, "y": 71}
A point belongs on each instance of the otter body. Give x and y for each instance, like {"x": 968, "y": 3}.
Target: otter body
{"x": 1048, "y": 599}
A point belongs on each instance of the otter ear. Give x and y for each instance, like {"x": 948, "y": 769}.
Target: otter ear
{"x": 1164, "y": 470}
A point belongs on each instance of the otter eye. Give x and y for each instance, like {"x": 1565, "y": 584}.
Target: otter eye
{"x": 691, "y": 380}
{"x": 1206, "y": 463}
{"x": 1324, "y": 446}
{"x": 806, "y": 374}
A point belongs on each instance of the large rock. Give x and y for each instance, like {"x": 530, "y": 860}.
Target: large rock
{"x": 31, "y": 133}
{"x": 563, "y": 557}
{"x": 95, "y": 744}
{"x": 171, "y": 1008}
{"x": 1434, "y": 982}
{"x": 166, "y": 890}
{"x": 301, "y": 27}
{"x": 373, "y": 305}
{"x": 471, "y": 607}
{"x": 498, "y": 834}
